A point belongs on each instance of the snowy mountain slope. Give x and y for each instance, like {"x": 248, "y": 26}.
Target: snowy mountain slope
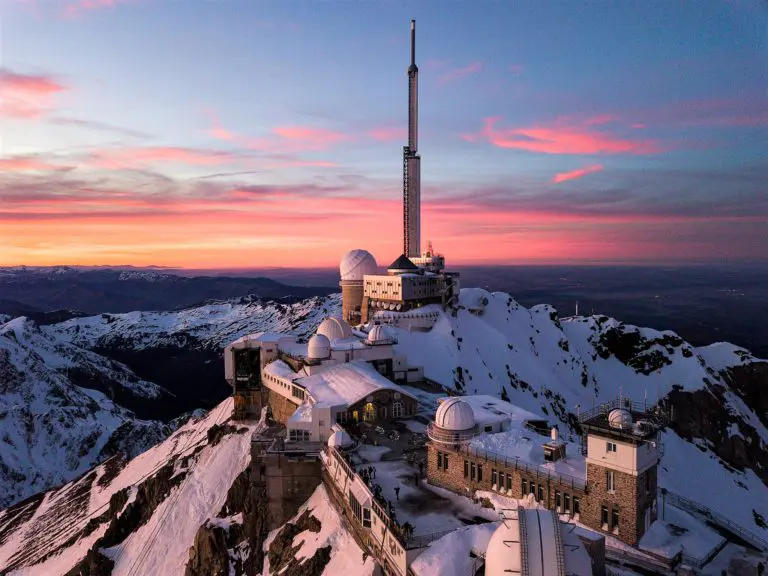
{"x": 550, "y": 366}
{"x": 59, "y": 414}
{"x": 213, "y": 325}
{"x": 137, "y": 518}
{"x": 315, "y": 542}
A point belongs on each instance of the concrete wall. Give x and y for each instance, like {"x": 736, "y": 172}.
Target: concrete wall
{"x": 629, "y": 458}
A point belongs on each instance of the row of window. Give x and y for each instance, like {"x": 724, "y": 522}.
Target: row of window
{"x": 442, "y": 461}
{"x": 298, "y": 435}
{"x": 500, "y": 480}
{"x": 473, "y": 471}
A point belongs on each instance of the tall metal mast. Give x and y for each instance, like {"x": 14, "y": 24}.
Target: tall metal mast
{"x": 412, "y": 162}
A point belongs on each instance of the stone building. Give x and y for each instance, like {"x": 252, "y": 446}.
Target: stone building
{"x": 611, "y": 490}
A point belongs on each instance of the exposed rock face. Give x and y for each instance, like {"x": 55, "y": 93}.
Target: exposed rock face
{"x": 235, "y": 544}
{"x": 282, "y": 554}
{"x": 750, "y": 382}
{"x": 94, "y": 564}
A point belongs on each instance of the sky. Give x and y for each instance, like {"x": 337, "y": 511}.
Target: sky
{"x": 245, "y": 133}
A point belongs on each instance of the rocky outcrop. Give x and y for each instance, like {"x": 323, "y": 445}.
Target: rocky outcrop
{"x": 282, "y": 554}
{"x": 228, "y": 546}
{"x": 703, "y": 414}
{"x": 750, "y": 382}
{"x": 94, "y": 564}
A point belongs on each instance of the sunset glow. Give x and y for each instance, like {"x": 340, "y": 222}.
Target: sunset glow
{"x": 178, "y": 153}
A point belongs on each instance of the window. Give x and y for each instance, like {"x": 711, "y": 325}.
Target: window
{"x": 557, "y": 500}
{"x": 397, "y": 409}
{"x": 566, "y": 503}
{"x": 541, "y": 492}
{"x": 439, "y": 460}
{"x": 501, "y": 480}
{"x": 479, "y": 472}
{"x": 321, "y": 423}
{"x": 532, "y": 488}
{"x": 610, "y": 447}
{"x": 489, "y": 428}
{"x": 366, "y": 517}
{"x": 445, "y": 461}
{"x": 369, "y": 412}
{"x": 604, "y": 517}
{"x": 610, "y": 484}
{"x": 494, "y": 477}
{"x": 576, "y": 507}
{"x": 356, "y": 508}
{"x": 341, "y": 417}
{"x": 472, "y": 471}
{"x": 466, "y": 469}
{"x": 509, "y": 482}
{"x": 615, "y": 520}
{"x": 525, "y": 487}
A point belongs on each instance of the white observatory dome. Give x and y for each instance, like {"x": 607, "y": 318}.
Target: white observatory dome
{"x": 319, "y": 347}
{"x": 378, "y": 334}
{"x": 455, "y": 415}
{"x": 620, "y": 419}
{"x": 357, "y": 263}
{"x": 503, "y": 555}
{"x": 334, "y": 329}
{"x": 340, "y": 439}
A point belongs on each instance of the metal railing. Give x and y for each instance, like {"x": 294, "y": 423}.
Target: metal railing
{"x": 715, "y": 518}
{"x": 422, "y": 540}
{"x": 451, "y": 437}
{"x": 539, "y": 470}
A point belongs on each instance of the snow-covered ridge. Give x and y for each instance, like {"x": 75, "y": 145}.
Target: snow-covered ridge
{"x": 191, "y": 475}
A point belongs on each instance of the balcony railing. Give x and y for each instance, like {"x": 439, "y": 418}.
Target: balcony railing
{"x": 443, "y": 436}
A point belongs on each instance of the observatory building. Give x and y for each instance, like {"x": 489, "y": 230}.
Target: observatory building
{"x": 608, "y": 482}
{"x": 416, "y": 279}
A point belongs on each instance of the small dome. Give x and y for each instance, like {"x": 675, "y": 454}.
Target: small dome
{"x": 334, "y": 329}
{"x": 319, "y": 347}
{"x": 357, "y": 263}
{"x": 620, "y": 419}
{"x": 378, "y": 334}
{"x": 455, "y": 415}
{"x": 340, "y": 439}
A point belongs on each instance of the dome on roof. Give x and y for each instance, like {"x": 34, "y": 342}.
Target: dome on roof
{"x": 357, "y": 263}
{"x": 455, "y": 414}
{"x": 378, "y": 334}
{"x": 340, "y": 439}
{"x": 620, "y": 419}
{"x": 319, "y": 347}
{"x": 502, "y": 556}
{"x": 334, "y": 328}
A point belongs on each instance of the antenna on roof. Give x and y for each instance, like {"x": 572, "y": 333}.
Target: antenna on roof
{"x": 577, "y": 308}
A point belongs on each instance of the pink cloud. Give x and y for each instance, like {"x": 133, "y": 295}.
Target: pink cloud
{"x": 563, "y": 136}
{"x": 26, "y": 95}
{"x": 292, "y": 139}
{"x": 217, "y": 130}
{"x": 25, "y": 163}
{"x": 388, "y": 133}
{"x": 131, "y": 157}
{"x": 517, "y": 68}
{"x": 459, "y": 73}
{"x": 578, "y": 173}
{"x": 73, "y": 9}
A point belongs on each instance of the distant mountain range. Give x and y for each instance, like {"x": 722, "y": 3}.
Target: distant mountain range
{"x": 36, "y": 292}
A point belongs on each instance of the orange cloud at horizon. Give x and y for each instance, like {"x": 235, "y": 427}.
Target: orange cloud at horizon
{"x": 278, "y": 228}
{"x": 578, "y": 173}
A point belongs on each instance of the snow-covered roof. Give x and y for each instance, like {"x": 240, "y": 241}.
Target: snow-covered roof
{"x": 345, "y": 384}
{"x": 263, "y": 337}
{"x": 280, "y": 369}
{"x": 302, "y": 414}
{"x": 490, "y": 410}
{"x": 527, "y": 446}
{"x": 296, "y": 349}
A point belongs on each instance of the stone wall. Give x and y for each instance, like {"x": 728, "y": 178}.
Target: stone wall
{"x": 453, "y": 478}
{"x": 290, "y": 483}
{"x": 248, "y": 404}
{"x": 629, "y": 496}
{"x": 282, "y": 408}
